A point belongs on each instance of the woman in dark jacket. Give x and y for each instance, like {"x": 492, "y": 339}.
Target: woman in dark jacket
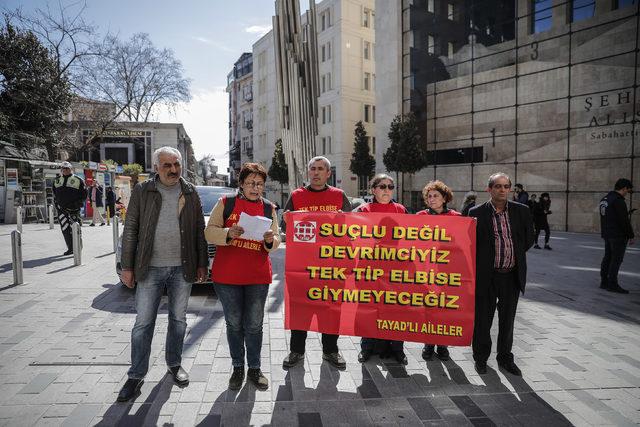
{"x": 436, "y": 196}
{"x": 382, "y": 186}
{"x": 540, "y": 212}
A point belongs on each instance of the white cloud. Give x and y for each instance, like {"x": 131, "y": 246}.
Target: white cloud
{"x": 261, "y": 30}
{"x": 210, "y": 42}
{"x": 205, "y": 119}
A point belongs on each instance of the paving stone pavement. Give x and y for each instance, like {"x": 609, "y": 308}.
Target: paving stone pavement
{"x": 64, "y": 353}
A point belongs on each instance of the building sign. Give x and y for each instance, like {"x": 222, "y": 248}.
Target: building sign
{"x": 102, "y": 167}
{"x": 12, "y": 177}
{"x": 93, "y": 166}
{"x": 116, "y": 132}
{"x": 607, "y": 112}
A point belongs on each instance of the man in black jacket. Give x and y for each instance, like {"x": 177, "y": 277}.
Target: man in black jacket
{"x": 504, "y": 234}
{"x": 69, "y": 196}
{"x": 616, "y": 230}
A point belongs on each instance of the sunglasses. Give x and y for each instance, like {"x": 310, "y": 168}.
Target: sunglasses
{"x": 385, "y": 186}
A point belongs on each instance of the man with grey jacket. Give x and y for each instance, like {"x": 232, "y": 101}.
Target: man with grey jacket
{"x": 163, "y": 245}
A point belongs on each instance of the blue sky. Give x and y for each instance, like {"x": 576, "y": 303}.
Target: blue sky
{"x": 207, "y": 36}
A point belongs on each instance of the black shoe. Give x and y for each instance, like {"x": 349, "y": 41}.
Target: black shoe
{"x": 130, "y": 389}
{"x": 481, "y": 367}
{"x": 400, "y": 357}
{"x": 511, "y": 367}
{"x": 292, "y": 359}
{"x": 335, "y": 359}
{"x": 427, "y": 352}
{"x": 69, "y": 252}
{"x": 547, "y": 247}
{"x": 92, "y": 225}
{"x": 235, "y": 382}
{"x": 258, "y": 379}
{"x": 443, "y": 353}
{"x": 102, "y": 224}
{"x": 364, "y": 355}
{"x": 617, "y": 289}
{"x": 179, "y": 375}
{"x": 537, "y": 246}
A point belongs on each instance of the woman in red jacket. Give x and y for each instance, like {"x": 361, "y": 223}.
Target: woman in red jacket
{"x": 436, "y": 196}
{"x": 382, "y": 186}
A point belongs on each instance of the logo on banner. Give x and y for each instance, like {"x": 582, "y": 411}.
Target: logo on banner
{"x": 304, "y": 231}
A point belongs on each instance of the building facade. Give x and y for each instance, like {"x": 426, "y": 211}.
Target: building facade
{"x": 546, "y": 91}
{"x": 240, "y": 89}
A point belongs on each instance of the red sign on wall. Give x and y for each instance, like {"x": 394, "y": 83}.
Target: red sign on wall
{"x": 390, "y": 276}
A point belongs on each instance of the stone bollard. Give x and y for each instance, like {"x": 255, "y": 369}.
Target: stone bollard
{"x": 51, "y": 217}
{"x": 19, "y": 219}
{"x": 16, "y": 257}
{"x": 116, "y": 234}
{"x": 77, "y": 243}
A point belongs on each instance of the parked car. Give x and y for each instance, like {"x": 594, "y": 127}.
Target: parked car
{"x": 209, "y": 196}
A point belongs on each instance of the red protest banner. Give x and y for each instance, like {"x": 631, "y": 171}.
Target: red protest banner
{"x": 390, "y": 276}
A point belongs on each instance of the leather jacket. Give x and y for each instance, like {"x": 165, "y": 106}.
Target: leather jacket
{"x": 140, "y": 226}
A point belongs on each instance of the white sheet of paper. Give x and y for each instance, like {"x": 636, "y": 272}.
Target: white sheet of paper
{"x": 254, "y": 226}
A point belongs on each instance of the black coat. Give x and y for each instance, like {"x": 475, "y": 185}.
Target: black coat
{"x": 614, "y": 217}
{"x": 521, "y": 233}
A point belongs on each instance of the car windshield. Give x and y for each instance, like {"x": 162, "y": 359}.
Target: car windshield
{"x": 209, "y": 196}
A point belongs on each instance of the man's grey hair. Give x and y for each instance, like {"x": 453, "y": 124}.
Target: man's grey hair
{"x": 165, "y": 150}
{"x": 323, "y": 159}
{"x": 492, "y": 178}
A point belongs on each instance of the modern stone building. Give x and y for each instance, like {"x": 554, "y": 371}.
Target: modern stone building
{"x": 240, "y": 89}
{"x": 544, "y": 90}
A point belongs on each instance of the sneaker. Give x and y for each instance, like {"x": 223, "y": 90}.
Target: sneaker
{"x": 364, "y": 356}
{"x": 400, "y": 357}
{"x": 292, "y": 359}
{"x": 130, "y": 389}
{"x": 235, "y": 382}
{"x": 258, "y": 379}
{"x": 547, "y": 247}
{"x": 537, "y": 246}
{"x": 443, "y": 353}
{"x": 617, "y": 289}
{"x": 335, "y": 359}
{"x": 427, "y": 352}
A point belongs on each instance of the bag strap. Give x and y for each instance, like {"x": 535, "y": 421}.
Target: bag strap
{"x": 230, "y": 203}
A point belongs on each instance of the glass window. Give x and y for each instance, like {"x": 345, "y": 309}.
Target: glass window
{"x": 450, "y": 12}
{"x": 542, "y": 15}
{"x": 449, "y": 50}
{"x": 328, "y": 113}
{"x": 373, "y": 114}
{"x": 323, "y": 53}
{"x": 332, "y": 178}
{"x": 324, "y": 145}
{"x": 431, "y": 48}
{"x": 367, "y": 109}
{"x": 328, "y": 50}
{"x": 624, "y": 3}
{"x": 367, "y": 81}
{"x": 582, "y": 9}
{"x": 367, "y": 49}
{"x": 430, "y": 6}
{"x": 366, "y": 18}
{"x": 373, "y": 145}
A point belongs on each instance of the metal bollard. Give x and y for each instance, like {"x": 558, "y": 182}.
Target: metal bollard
{"x": 16, "y": 257}
{"x": 77, "y": 243}
{"x": 116, "y": 234}
{"x": 19, "y": 218}
{"x": 51, "y": 217}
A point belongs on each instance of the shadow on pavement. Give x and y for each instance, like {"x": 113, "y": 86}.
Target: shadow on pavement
{"x": 146, "y": 413}
{"x": 231, "y": 408}
{"x": 32, "y": 263}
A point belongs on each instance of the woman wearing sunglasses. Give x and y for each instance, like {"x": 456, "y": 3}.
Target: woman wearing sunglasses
{"x": 382, "y": 186}
{"x": 436, "y": 195}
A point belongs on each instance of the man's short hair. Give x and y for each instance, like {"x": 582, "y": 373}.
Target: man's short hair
{"x": 623, "y": 183}
{"x": 519, "y": 186}
{"x": 323, "y": 159}
{"x": 492, "y": 178}
{"x": 165, "y": 150}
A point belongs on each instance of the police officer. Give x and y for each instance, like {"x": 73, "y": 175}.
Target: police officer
{"x": 69, "y": 196}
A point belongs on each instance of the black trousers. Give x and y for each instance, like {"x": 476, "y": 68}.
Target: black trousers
{"x": 547, "y": 231}
{"x": 614, "y": 250}
{"x": 503, "y": 293}
{"x": 66, "y": 218}
{"x": 299, "y": 339}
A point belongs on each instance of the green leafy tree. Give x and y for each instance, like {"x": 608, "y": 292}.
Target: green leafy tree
{"x": 278, "y": 171}
{"x": 34, "y": 96}
{"x": 405, "y": 154}
{"x": 363, "y": 165}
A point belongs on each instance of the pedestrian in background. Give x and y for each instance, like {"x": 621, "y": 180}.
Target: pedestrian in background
{"x": 95, "y": 197}
{"x": 242, "y": 272}
{"x": 163, "y": 246}
{"x": 69, "y": 195}
{"x": 468, "y": 202}
{"x": 436, "y": 195}
{"x": 318, "y": 194}
{"x": 381, "y": 187}
{"x": 504, "y": 233}
{"x": 519, "y": 195}
{"x": 617, "y": 232}
{"x": 110, "y": 199}
{"x": 541, "y": 210}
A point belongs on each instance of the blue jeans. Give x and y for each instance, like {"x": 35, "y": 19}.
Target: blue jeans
{"x": 244, "y": 313}
{"x": 148, "y": 294}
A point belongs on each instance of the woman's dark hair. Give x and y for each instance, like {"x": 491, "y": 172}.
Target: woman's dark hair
{"x": 378, "y": 179}
{"x": 440, "y": 187}
{"x": 546, "y": 195}
{"x": 252, "y": 168}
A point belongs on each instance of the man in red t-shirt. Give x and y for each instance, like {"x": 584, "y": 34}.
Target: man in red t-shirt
{"x": 317, "y": 195}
